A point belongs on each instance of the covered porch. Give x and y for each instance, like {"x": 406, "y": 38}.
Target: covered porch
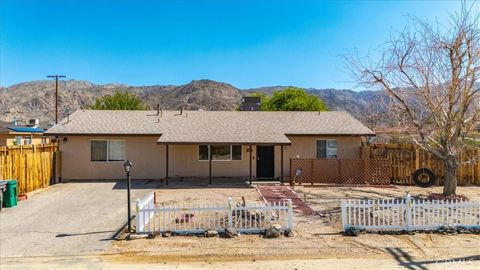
{"x": 219, "y": 157}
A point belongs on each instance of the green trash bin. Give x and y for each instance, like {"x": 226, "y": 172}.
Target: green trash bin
{"x": 10, "y": 195}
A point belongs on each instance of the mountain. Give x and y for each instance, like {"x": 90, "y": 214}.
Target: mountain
{"x": 36, "y": 99}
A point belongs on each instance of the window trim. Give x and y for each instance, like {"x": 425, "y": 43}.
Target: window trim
{"x": 326, "y": 142}
{"x": 108, "y": 150}
{"x": 231, "y": 152}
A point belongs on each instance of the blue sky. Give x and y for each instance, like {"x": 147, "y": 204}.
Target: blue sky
{"x": 245, "y": 43}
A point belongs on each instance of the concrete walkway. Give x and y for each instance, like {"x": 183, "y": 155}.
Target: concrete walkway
{"x": 67, "y": 219}
{"x": 282, "y": 193}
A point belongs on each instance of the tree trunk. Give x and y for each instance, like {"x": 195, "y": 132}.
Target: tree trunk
{"x": 450, "y": 182}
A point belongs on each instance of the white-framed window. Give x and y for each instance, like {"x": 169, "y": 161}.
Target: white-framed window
{"x": 107, "y": 150}
{"x": 220, "y": 152}
{"x": 18, "y": 140}
{"x": 326, "y": 148}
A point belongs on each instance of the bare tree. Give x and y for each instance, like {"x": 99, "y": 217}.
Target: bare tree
{"x": 431, "y": 73}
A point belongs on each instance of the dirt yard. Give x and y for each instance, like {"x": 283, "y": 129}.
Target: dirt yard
{"x": 316, "y": 236}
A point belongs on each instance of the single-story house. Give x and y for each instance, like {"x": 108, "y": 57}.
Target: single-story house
{"x": 13, "y": 134}
{"x": 164, "y": 144}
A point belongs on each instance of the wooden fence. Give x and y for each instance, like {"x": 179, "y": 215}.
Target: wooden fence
{"x": 408, "y": 214}
{"x": 185, "y": 219}
{"x": 32, "y": 167}
{"x": 31, "y": 148}
{"x": 405, "y": 159}
{"x": 340, "y": 171}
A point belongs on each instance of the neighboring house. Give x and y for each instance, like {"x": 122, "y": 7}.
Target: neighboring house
{"x": 14, "y": 134}
{"x": 163, "y": 144}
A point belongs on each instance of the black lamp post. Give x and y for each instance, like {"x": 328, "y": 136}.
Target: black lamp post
{"x": 128, "y": 165}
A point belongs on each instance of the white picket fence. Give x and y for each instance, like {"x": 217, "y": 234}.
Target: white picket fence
{"x": 186, "y": 219}
{"x": 408, "y": 214}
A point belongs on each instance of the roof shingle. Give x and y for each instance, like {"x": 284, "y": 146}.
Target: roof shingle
{"x": 211, "y": 126}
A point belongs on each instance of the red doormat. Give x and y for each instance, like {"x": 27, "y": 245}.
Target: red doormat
{"x": 280, "y": 194}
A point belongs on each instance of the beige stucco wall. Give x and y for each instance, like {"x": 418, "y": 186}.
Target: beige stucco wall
{"x": 146, "y": 156}
{"x": 149, "y": 158}
{"x": 305, "y": 147}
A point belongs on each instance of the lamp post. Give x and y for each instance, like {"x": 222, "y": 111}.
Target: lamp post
{"x": 128, "y": 166}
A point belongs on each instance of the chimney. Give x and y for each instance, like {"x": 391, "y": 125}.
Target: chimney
{"x": 251, "y": 104}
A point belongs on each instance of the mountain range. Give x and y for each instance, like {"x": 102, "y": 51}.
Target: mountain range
{"x": 36, "y": 99}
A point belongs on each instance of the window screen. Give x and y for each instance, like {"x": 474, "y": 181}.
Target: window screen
{"x": 107, "y": 150}
{"x": 116, "y": 150}
{"x": 326, "y": 149}
{"x": 98, "y": 150}
{"x": 203, "y": 152}
{"x": 236, "y": 152}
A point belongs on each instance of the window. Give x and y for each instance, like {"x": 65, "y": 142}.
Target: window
{"x": 326, "y": 148}
{"x": 107, "y": 150}
{"x": 220, "y": 152}
{"x": 18, "y": 140}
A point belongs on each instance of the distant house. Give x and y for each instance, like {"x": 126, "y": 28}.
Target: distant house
{"x": 163, "y": 144}
{"x": 12, "y": 133}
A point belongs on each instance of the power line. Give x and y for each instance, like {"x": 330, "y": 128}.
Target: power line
{"x": 56, "y": 77}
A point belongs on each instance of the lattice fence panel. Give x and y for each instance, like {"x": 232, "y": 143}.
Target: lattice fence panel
{"x": 340, "y": 171}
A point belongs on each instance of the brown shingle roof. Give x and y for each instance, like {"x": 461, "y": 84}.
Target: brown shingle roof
{"x": 211, "y": 126}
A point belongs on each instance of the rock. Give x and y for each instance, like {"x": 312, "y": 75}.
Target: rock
{"x": 289, "y": 233}
{"x": 352, "y": 231}
{"x": 135, "y": 236}
{"x": 166, "y": 234}
{"x": 153, "y": 235}
{"x": 230, "y": 232}
{"x": 272, "y": 232}
{"x": 211, "y": 233}
{"x": 278, "y": 227}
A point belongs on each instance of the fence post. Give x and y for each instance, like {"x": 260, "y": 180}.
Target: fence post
{"x": 137, "y": 217}
{"x": 290, "y": 214}
{"x": 230, "y": 218}
{"x": 344, "y": 214}
{"x": 408, "y": 204}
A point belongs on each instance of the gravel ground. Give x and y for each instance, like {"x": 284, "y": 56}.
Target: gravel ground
{"x": 316, "y": 237}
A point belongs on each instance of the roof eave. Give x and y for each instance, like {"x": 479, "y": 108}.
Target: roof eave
{"x": 224, "y": 143}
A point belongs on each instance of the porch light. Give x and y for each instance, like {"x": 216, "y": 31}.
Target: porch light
{"x": 127, "y": 165}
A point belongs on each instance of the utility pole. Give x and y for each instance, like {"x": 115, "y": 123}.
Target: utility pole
{"x": 56, "y": 77}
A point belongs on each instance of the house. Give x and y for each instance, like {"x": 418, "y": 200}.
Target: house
{"x": 164, "y": 144}
{"x": 11, "y": 133}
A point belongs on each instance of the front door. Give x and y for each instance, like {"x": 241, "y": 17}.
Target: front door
{"x": 265, "y": 161}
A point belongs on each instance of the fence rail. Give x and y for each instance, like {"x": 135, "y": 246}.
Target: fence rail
{"x": 340, "y": 171}
{"x": 408, "y": 214}
{"x": 32, "y": 167}
{"x": 250, "y": 218}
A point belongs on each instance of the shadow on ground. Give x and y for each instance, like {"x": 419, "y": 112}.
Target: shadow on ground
{"x": 405, "y": 260}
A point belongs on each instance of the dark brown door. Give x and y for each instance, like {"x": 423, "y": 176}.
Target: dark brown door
{"x": 265, "y": 161}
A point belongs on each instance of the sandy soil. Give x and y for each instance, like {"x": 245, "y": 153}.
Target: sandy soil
{"x": 202, "y": 195}
{"x": 316, "y": 237}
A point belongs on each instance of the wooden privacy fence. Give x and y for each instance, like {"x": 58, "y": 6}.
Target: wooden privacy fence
{"x": 250, "y": 218}
{"x": 340, "y": 171}
{"x": 405, "y": 159}
{"x": 32, "y": 169}
{"x": 31, "y": 148}
{"x": 408, "y": 214}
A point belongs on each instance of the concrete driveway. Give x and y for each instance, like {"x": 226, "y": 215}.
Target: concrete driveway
{"x": 68, "y": 219}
